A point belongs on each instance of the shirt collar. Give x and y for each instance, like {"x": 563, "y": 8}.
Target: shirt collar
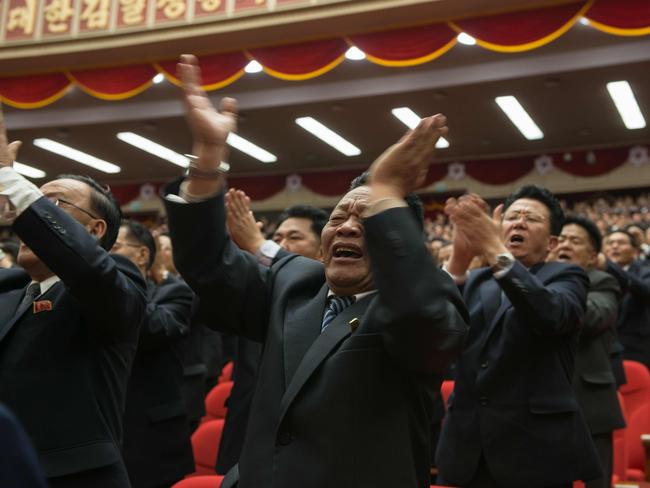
{"x": 357, "y": 297}
{"x": 48, "y": 283}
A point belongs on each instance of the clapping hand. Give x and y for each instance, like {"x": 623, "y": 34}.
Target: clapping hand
{"x": 241, "y": 223}
{"x": 8, "y": 151}
{"x": 403, "y": 167}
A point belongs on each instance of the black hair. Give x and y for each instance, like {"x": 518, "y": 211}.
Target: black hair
{"x": 412, "y": 200}
{"x": 589, "y": 227}
{"x": 140, "y": 234}
{"x": 317, "y": 216}
{"x": 633, "y": 240}
{"x": 104, "y": 205}
{"x": 543, "y": 196}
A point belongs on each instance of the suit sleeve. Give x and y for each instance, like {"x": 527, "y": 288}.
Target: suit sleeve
{"x": 554, "y": 308}
{"x": 110, "y": 289}
{"x": 168, "y": 315}
{"x": 602, "y": 305}
{"x": 231, "y": 286}
{"x": 423, "y": 318}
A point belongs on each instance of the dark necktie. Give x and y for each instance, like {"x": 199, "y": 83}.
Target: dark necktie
{"x": 335, "y": 305}
{"x": 32, "y": 292}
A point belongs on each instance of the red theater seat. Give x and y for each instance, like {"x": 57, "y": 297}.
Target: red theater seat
{"x": 215, "y": 401}
{"x": 200, "y": 482}
{"x": 638, "y": 423}
{"x": 205, "y": 446}
{"x": 637, "y": 389}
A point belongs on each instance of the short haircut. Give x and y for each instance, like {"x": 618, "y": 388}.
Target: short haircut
{"x": 633, "y": 240}
{"x": 412, "y": 200}
{"x": 589, "y": 227}
{"x": 140, "y": 234}
{"x": 317, "y": 216}
{"x": 104, "y": 205}
{"x": 542, "y": 195}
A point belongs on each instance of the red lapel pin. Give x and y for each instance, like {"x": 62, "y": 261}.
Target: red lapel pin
{"x": 42, "y": 306}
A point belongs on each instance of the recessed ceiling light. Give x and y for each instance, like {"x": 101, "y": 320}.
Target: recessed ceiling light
{"x": 584, "y": 21}
{"x": 328, "y": 136}
{"x": 251, "y": 149}
{"x": 465, "y": 38}
{"x": 154, "y": 148}
{"x": 28, "y": 171}
{"x": 519, "y": 117}
{"x": 355, "y": 54}
{"x": 253, "y": 67}
{"x": 411, "y": 120}
{"x": 159, "y": 78}
{"x": 626, "y": 104}
{"x": 76, "y": 155}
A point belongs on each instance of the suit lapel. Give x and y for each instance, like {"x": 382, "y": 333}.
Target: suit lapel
{"x": 491, "y": 299}
{"x": 331, "y": 337}
{"x": 11, "y": 313}
{"x": 301, "y": 329}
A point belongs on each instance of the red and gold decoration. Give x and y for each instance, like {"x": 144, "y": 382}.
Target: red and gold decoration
{"x": 507, "y": 32}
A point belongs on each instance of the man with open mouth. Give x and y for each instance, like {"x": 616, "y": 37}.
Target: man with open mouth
{"x": 354, "y": 348}
{"x": 513, "y": 419}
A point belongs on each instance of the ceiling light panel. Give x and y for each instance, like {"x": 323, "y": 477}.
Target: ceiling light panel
{"x": 626, "y": 104}
{"x": 76, "y": 155}
{"x": 328, "y": 136}
{"x": 154, "y": 148}
{"x": 411, "y": 120}
{"x": 519, "y": 117}
{"x": 253, "y": 150}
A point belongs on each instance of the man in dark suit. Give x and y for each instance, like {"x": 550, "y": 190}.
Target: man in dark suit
{"x": 68, "y": 325}
{"x": 157, "y": 448}
{"x": 343, "y": 396}
{"x": 595, "y": 386}
{"x": 298, "y": 232}
{"x": 622, "y": 250}
{"x": 513, "y": 419}
{"x": 19, "y": 465}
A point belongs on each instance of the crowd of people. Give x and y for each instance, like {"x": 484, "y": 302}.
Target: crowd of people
{"x": 341, "y": 327}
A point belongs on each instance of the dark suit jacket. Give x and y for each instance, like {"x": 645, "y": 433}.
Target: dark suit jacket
{"x": 64, "y": 372}
{"x": 19, "y": 465}
{"x": 246, "y": 363}
{"x": 157, "y": 446}
{"x": 634, "y": 313}
{"x": 513, "y": 401}
{"x": 334, "y": 408}
{"x": 593, "y": 380}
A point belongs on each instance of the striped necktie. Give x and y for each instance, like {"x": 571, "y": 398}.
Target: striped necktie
{"x": 335, "y": 305}
{"x": 33, "y": 290}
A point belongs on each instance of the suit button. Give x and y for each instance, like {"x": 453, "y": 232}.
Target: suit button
{"x": 483, "y": 400}
{"x": 284, "y": 438}
{"x": 484, "y": 364}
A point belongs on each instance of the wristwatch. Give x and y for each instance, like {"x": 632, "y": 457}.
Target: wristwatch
{"x": 504, "y": 261}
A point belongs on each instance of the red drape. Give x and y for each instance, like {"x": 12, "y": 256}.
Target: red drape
{"x": 217, "y": 70}
{"x": 622, "y": 17}
{"x": 301, "y": 61}
{"x": 408, "y": 46}
{"x": 114, "y": 83}
{"x": 33, "y": 91}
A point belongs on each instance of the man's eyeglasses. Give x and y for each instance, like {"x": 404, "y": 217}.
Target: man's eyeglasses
{"x": 60, "y": 201}
{"x": 529, "y": 217}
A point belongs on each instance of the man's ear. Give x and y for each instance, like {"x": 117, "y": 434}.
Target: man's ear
{"x": 97, "y": 228}
{"x": 552, "y": 242}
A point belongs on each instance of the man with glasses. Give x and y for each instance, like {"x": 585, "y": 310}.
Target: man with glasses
{"x": 68, "y": 324}
{"x": 157, "y": 449}
{"x": 513, "y": 419}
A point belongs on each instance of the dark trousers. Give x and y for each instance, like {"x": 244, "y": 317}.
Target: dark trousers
{"x": 113, "y": 476}
{"x": 483, "y": 479}
{"x": 603, "y": 444}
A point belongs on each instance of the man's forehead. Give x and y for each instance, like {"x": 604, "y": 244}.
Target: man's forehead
{"x": 294, "y": 223}
{"x": 574, "y": 229}
{"x": 65, "y": 185}
{"x": 528, "y": 204}
{"x": 360, "y": 194}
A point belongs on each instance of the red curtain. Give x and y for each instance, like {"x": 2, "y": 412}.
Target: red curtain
{"x": 508, "y": 32}
{"x": 605, "y": 161}
{"x": 408, "y": 46}
{"x": 33, "y": 91}
{"x": 114, "y": 83}
{"x": 301, "y": 61}
{"x": 520, "y": 31}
